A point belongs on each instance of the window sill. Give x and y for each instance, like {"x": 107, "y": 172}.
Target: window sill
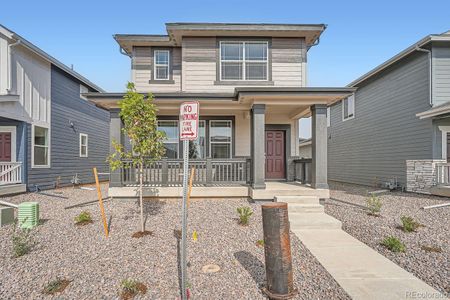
{"x": 154, "y": 81}
{"x": 242, "y": 82}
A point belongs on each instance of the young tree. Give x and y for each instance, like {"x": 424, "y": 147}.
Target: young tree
{"x": 140, "y": 124}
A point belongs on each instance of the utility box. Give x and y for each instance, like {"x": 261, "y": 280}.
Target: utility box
{"x": 28, "y": 215}
{"x": 6, "y": 215}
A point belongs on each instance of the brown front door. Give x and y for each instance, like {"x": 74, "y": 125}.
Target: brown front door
{"x": 5, "y": 146}
{"x": 275, "y": 153}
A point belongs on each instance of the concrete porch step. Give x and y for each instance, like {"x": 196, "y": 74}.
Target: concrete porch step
{"x": 294, "y": 200}
{"x": 312, "y": 220}
{"x": 305, "y": 208}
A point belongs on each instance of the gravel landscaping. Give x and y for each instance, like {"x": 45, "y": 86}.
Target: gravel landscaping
{"x": 96, "y": 266}
{"x": 430, "y": 265}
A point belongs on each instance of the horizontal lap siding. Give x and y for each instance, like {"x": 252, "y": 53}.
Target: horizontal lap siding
{"x": 288, "y": 55}
{"x": 87, "y": 118}
{"x": 441, "y": 74}
{"x": 374, "y": 146}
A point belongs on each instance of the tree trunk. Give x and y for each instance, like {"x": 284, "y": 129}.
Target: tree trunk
{"x": 141, "y": 173}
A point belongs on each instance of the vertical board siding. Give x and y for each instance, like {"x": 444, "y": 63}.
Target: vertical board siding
{"x": 374, "y": 146}
{"x": 142, "y": 68}
{"x": 67, "y": 106}
{"x": 441, "y": 74}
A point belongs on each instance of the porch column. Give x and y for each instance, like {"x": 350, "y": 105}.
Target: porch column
{"x": 115, "y": 134}
{"x": 258, "y": 146}
{"x": 319, "y": 138}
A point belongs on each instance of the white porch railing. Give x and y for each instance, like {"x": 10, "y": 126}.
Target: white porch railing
{"x": 443, "y": 174}
{"x": 10, "y": 173}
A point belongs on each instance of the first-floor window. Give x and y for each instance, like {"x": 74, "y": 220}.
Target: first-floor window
{"x": 220, "y": 138}
{"x": 40, "y": 147}
{"x": 197, "y": 148}
{"x": 83, "y": 145}
{"x": 170, "y": 128}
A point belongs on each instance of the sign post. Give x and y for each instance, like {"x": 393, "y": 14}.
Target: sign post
{"x": 189, "y": 112}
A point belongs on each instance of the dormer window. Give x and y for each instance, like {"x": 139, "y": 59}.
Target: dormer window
{"x": 246, "y": 60}
{"x": 161, "y": 65}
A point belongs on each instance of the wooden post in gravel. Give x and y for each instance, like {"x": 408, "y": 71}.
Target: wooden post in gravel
{"x": 277, "y": 250}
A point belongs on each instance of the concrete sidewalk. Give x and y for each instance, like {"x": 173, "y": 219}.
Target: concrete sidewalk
{"x": 361, "y": 271}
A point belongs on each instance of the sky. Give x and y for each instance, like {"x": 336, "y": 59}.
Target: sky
{"x": 360, "y": 34}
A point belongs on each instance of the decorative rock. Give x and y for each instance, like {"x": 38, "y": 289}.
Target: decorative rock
{"x": 210, "y": 268}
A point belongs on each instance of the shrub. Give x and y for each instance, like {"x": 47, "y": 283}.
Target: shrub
{"x": 409, "y": 225}
{"x": 374, "y": 205}
{"x": 394, "y": 244}
{"x": 83, "y": 218}
{"x": 244, "y": 214}
{"x": 260, "y": 243}
{"x": 56, "y": 286}
{"x": 131, "y": 288}
{"x": 22, "y": 241}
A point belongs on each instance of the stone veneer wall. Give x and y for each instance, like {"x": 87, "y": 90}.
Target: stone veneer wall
{"x": 420, "y": 175}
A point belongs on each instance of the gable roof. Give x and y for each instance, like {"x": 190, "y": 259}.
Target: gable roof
{"x": 176, "y": 31}
{"x": 444, "y": 37}
{"x": 33, "y": 48}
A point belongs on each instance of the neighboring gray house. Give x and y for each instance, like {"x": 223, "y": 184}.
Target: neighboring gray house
{"x": 49, "y": 134}
{"x": 395, "y": 128}
{"x": 250, "y": 80}
{"x": 304, "y": 148}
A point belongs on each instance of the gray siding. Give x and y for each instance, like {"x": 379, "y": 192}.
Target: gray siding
{"x": 441, "y": 74}
{"x": 373, "y": 147}
{"x": 65, "y": 161}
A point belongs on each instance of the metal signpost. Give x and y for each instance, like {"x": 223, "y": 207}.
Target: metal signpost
{"x": 188, "y": 132}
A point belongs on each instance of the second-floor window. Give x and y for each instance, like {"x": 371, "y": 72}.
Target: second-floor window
{"x": 348, "y": 108}
{"x": 161, "y": 65}
{"x": 244, "y": 60}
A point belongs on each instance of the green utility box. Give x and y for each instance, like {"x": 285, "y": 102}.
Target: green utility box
{"x": 28, "y": 215}
{"x": 6, "y": 215}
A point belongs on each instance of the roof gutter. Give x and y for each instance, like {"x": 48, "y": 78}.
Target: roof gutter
{"x": 9, "y": 76}
{"x": 430, "y": 69}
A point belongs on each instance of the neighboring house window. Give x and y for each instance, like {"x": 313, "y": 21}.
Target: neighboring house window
{"x": 348, "y": 108}
{"x": 83, "y": 145}
{"x": 244, "y": 60}
{"x": 161, "y": 65}
{"x": 220, "y": 139}
{"x": 170, "y": 128}
{"x": 197, "y": 148}
{"x": 328, "y": 116}
{"x": 83, "y": 90}
{"x": 41, "y": 149}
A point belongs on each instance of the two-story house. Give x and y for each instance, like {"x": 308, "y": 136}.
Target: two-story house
{"x": 250, "y": 80}
{"x": 49, "y": 134}
{"x": 395, "y": 129}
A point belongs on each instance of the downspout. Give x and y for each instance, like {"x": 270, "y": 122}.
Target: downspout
{"x": 9, "y": 86}
{"x": 430, "y": 69}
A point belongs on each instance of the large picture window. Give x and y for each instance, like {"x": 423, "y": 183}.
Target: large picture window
{"x": 161, "y": 65}
{"x": 244, "y": 60}
{"x": 220, "y": 138}
{"x": 41, "y": 149}
{"x": 170, "y": 128}
{"x": 197, "y": 148}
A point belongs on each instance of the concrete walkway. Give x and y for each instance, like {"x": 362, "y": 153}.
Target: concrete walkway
{"x": 361, "y": 271}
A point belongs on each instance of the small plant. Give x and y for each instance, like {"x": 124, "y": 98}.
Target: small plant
{"x": 22, "y": 241}
{"x": 260, "y": 243}
{"x": 394, "y": 244}
{"x": 83, "y": 218}
{"x": 56, "y": 286}
{"x": 409, "y": 225}
{"x": 244, "y": 214}
{"x": 130, "y": 288}
{"x": 374, "y": 205}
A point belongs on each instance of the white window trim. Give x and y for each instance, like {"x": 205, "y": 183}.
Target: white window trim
{"x": 343, "y": 109}
{"x": 243, "y": 61}
{"x": 13, "y": 131}
{"x": 87, "y": 145}
{"x": 209, "y": 140}
{"x": 161, "y": 65}
{"x": 444, "y": 131}
{"x": 328, "y": 116}
{"x": 178, "y": 135}
{"x": 33, "y": 166}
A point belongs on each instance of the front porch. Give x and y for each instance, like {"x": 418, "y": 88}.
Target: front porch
{"x": 11, "y": 178}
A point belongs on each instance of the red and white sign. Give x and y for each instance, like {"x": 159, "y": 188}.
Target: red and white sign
{"x": 189, "y": 120}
